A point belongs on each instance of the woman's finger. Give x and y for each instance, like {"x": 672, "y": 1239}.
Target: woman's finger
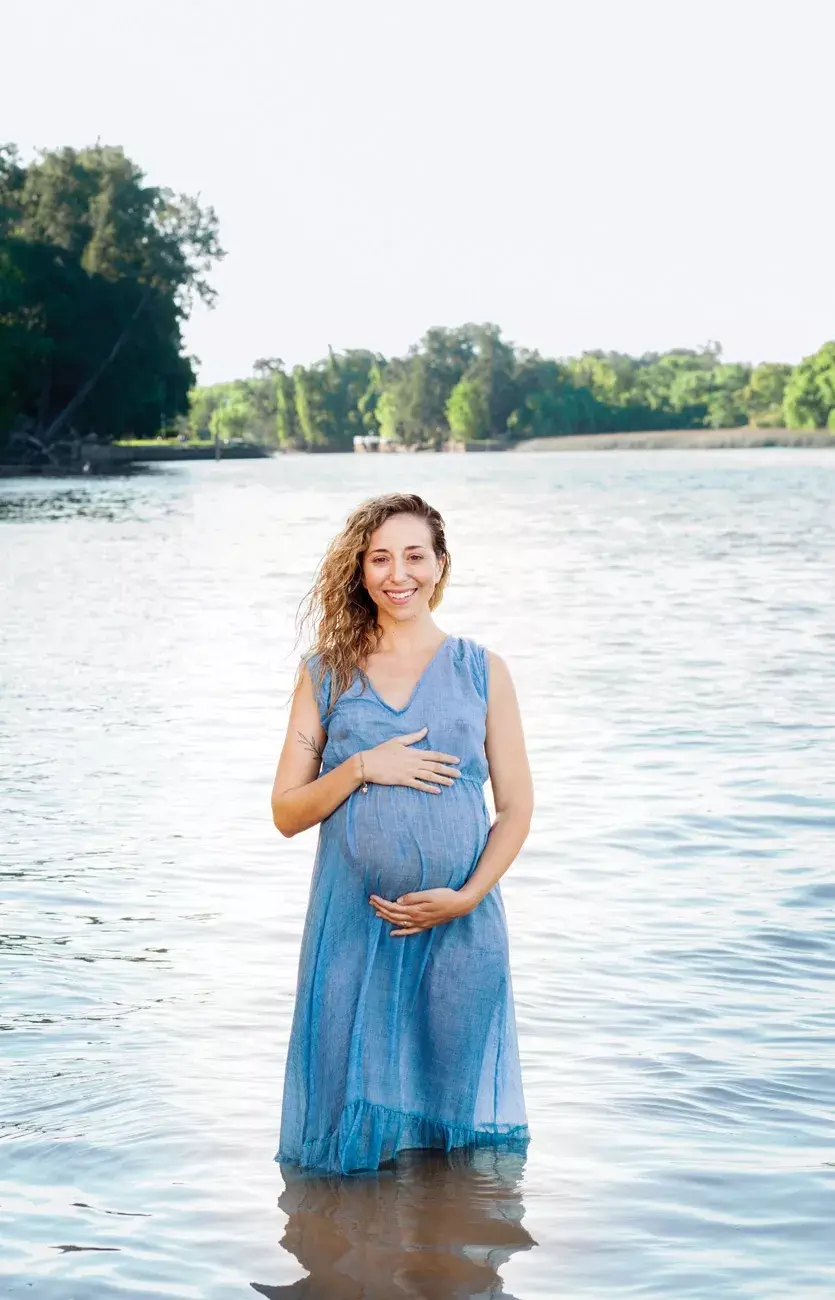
{"x": 435, "y": 765}
{"x": 398, "y": 918}
{"x": 422, "y": 785}
{"x": 396, "y": 911}
{"x": 379, "y": 901}
{"x": 394, "y": 919}
{"x": 412, "y": 736}
{"x": 396, "y": 934}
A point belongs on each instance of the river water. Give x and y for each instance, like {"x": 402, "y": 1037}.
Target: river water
{"x": 669, "y": 621}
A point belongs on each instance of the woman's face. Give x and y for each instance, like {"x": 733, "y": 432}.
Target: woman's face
{"x": 400, "y": 569}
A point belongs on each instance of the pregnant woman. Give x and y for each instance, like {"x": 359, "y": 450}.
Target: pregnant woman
{"x": 403, "y": 1033}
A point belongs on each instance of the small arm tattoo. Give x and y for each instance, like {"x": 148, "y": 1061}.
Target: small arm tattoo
{"x": 310, "y": 744}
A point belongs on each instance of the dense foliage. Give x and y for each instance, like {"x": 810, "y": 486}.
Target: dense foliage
{"x": 97, "y": 273}
{"x": 470, "y": 384}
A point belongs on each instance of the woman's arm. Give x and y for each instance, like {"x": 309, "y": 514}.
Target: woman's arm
{"x": 511, "y": 782}
{"x": 510, "y": 778}
{"x": 300, "y": 797}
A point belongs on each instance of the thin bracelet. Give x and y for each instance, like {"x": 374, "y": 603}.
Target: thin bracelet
{"x": 364, "y": 786}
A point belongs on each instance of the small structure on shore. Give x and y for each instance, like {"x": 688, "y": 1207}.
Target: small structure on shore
{"x": 366, "y": 442}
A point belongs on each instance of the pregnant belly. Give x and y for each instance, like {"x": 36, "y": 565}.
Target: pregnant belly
{"x": 404, "y": 839}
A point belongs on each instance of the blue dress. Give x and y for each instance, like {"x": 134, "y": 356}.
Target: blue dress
{"x": 402, "y": 1042}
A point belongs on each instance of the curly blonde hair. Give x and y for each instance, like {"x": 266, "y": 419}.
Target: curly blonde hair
{"x": 338, "y": 605}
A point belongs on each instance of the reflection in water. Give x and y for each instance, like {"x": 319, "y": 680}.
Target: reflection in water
{"x": 432, "y": 1226}
{"x": 113, "y": 497}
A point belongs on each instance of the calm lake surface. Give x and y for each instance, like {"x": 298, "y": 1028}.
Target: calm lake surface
{"x": 670, "y": 624}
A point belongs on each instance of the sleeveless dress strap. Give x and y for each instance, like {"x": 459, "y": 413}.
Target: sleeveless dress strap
{"x": 478, "y": 664}
{"x": 321, "y": 685}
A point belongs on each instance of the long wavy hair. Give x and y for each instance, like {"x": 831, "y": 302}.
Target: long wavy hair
{"x": 338, "y": 606}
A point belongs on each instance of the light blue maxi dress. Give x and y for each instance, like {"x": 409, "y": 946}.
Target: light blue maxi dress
{"x": 402, "y": 1042}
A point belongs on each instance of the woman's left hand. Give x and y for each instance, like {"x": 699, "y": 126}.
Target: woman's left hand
{"x": 423, "y": 909}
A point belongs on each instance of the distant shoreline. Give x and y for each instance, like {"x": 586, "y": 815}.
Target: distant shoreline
{"x": 638, "y": 440}
{"x": 680, "y": 439}
{"x": 107, "y": 458}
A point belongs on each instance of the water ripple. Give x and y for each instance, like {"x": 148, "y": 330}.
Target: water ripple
{"x": 669, "y": 621}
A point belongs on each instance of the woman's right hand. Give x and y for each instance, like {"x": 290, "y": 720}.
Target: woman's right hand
{"x": 394, "y": 763}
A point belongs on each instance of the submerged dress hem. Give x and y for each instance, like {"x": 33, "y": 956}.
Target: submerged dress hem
{"x": 369, "y": 1134}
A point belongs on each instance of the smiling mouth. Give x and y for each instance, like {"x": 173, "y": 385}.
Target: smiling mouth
{"x": 400, "y": 597}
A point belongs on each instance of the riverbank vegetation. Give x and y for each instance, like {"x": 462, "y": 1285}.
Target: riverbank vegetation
{"x": 98, "y": 271}
{"x": 469, "y": 384}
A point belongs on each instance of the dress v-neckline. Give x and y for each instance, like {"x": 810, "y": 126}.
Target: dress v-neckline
{"x": 416, "y": 686}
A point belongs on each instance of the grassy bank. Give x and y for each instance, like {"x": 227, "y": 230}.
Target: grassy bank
{"x": 152, "y": 449}
{"x": 682, "y": 438}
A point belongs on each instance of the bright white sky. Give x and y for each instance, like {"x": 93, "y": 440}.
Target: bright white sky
{"x": 627, "y": 174}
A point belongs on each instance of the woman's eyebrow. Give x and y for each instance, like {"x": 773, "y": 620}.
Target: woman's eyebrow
{"x": 417, "y": 546}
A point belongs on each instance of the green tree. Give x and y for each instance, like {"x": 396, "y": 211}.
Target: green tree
{"x": 417, "y": 387}
{"x": 288, "y": 429}
{"x": 809, "y": 401}
{"x": 328, "y": 396}
{"x": 467, "y": 411}
{"x": 442, "y": 358}
{"x": 726, "y": 407}
{"x": 97, "y": 273}
{"x": 386, "y": 412}
{"x": 764, "y": 393}
{"x": 307, "y": 408}
{"x": 550, "y": 401}
{"x": 231, "y": 420}
{"x": 349, "y": 395}
{"x": 408, "y": 399}
{"x": 261, "y": 396}
{"x": 370, "y": 400}
{"x": 202, "y": 403}
{"x": 492, "y": 370}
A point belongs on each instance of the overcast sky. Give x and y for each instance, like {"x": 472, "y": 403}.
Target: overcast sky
{"x": 585, "y": 173}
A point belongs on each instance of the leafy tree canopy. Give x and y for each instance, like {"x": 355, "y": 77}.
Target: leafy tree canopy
{"x": 469, "y": 384}
{"x": 98, "y": 270}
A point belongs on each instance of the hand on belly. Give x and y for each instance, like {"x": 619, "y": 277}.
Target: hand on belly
{"x": 404, "y": 839}
{"x": 421, "y": 910}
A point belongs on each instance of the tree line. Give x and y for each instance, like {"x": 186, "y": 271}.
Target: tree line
{"x": 98, "y": 272}
{"x": 470, "y": 384}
